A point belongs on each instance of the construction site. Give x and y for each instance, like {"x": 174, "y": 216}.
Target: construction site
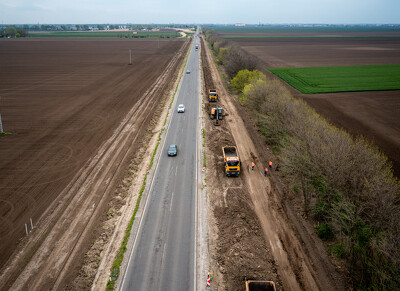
{"x": 76, "y": 162}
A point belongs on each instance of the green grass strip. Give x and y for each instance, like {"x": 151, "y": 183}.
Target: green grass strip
{"x": 313, "y": 80}
{"x": 120, "y": 256}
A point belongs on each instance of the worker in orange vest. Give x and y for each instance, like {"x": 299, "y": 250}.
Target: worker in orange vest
{"x": 270, "y": 165}
{"x": 252, "y": 166}
{"x": 266, "y": 172}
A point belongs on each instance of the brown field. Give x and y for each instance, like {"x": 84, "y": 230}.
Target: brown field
{"x": 375, "y": 115}
{"x": 61, "y": 100}
{"x": 307, "y": 32}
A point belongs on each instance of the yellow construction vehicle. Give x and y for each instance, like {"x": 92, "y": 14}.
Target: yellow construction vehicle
{"x": 231, "y": 160}
{"x": 217, "y": 114}
{"x": 252, "y": 285}
{"x": 212, "y": 95}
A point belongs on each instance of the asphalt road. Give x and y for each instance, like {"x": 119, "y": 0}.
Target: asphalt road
{"x": 163, "y": 255}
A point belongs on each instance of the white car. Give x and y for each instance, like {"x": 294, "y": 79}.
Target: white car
{"x": 181, "y": 108}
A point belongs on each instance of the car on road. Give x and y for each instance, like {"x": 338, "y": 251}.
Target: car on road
{"x": 173, "y": 150}
{"x": 181, "y": 108}
{"x": 187, "y": 72}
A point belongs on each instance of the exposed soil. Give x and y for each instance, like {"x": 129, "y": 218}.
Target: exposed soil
{"x": 251, "y": 217}
{"x": 374, "y": 114}
{"x": 320, "y": 52}
{"x": 308, "y": 32}
{"x": 77, "y": 113}
{"x": 237, "y": 246}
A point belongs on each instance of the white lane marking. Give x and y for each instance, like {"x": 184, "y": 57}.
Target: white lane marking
{"x": 152, "y": 182}
{"x": 196, "y": 172}
{"x": 172, "y": 200}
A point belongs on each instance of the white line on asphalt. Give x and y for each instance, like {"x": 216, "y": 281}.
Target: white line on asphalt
{"x": 197, "y": 187}
{"x": 172, "y": 200}
{"x": 152, "y": 182}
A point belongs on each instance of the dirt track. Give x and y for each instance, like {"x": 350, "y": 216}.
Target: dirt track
{"x": 374, "y": 115}
{"x": 62, "y": 100}
{"x": 255, "y": 232}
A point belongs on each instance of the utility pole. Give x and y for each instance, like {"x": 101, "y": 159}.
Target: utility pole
{"x": 130, "y": 57}
{"x": 158, "y": 43}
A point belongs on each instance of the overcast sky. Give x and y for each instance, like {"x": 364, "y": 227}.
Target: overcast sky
{"x": 201, "y": 11}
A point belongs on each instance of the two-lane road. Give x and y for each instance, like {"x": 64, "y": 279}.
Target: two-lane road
{"x": 164, "y": 252}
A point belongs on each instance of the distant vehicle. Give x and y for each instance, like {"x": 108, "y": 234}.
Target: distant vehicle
{"x": 197, "y": 46}
{"x": 181, "y": 108}
{"x": 187, "y": 72}
{"x": 173, "y": 150}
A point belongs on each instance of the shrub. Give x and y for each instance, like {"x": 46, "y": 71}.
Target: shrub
{"x": 325, "y": 231}
{"x": 245, "y": 77}
{"x": 222, "y": 54}
{"x": 339, "y": 251}
{"x": 357, "y": 197}
{"x": 320, "y": 211}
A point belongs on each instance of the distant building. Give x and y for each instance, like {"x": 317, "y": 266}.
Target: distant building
{"x": 239, "y": 24}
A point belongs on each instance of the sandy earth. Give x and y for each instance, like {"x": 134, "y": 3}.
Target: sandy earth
{"x": 374, "y": 114}
{"x": 255, "y": 232}
{"x": 99, "y": 133}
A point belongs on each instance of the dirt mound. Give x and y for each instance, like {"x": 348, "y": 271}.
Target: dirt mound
{"x": 242, "y": 252}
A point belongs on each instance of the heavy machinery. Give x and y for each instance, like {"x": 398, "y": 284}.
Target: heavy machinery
{"x": 252, "y": 285}
{"x": 217, "y": 114}
{"x": 231, "y": 160}
{"x": 212, "y": 95}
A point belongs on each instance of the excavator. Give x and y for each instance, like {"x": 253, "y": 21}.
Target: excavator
{"x": 217, "y": 114}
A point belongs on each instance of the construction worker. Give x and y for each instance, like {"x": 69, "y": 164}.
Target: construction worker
{"x": 252, "y": 166}
{"x": 270, "y": 165}
{"x": 266, "y": 172}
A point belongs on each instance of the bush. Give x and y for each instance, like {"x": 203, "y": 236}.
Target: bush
{"x": 339, "y": 251}
{"x": 245, "y": 77}
{"x": 325, "y": 231}
{"x": 347, "y": 183}
{"x": 222, "y": 54}
{"x": 320, "y": 211}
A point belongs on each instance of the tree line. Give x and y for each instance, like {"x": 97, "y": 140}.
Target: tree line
{"x": 12, "y": 31}
{"x": 346, "y": 184}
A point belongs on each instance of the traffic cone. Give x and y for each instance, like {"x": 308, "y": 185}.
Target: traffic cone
{"x": 208, "y": 280}
{"x": 204, "y": 169}
{"x": 147, "y": 171}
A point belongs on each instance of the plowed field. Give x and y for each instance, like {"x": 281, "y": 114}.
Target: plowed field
{"x": 375, "y": 114}
{"x": 61, "y": 100}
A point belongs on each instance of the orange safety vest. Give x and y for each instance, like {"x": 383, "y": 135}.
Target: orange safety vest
{"x": 266, "y": 169}
{"x": 270, "y": 163}
{"x": 252, "y": 164}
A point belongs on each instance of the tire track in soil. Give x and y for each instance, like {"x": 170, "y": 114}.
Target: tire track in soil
{"x": 237, "y": 248}
{"x": 295, "y": 268}
{"x": 87, "y": 193}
